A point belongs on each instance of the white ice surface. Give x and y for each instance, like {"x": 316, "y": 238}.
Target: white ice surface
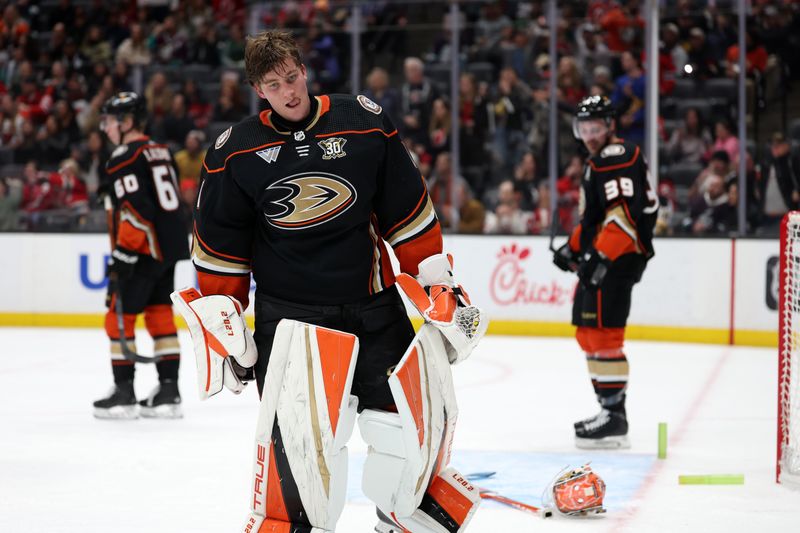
{"x": 62, "y": 471}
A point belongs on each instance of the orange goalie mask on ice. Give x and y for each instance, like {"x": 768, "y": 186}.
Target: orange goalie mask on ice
{"x": 578, "y": 492}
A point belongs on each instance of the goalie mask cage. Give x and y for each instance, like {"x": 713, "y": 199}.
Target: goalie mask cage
{"x": 788, "y": 463}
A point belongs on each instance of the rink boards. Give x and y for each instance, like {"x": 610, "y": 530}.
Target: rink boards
{"x": 694, "y": 290}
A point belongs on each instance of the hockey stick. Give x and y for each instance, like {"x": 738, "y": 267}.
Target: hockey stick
{"x": 116, "y": 294}
{"x": 514, "y": 504}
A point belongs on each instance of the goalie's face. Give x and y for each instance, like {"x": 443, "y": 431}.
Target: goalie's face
{"x": 594, "y": 133}
{"x": 285, "y": 89}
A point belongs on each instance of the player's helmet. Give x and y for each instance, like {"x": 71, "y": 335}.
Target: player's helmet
{"x": 577, "y": 492}
{"x": 126, "y": 103}
{"x": 593, "y": 108}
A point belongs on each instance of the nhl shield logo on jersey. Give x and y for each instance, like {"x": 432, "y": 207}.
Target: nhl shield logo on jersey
{"x": 306, "y": 200}
{"x": 332, "y": 148}
{"x": 223, "y": 138}
{"x": 369, "y": 105}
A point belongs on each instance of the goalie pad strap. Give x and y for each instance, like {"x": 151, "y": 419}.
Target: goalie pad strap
{"x": 305, "y": 419}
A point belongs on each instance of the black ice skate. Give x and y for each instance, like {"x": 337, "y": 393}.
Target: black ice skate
{"x": 163, "y": 402}
{"x": 606, "y": 430}
{"x": 120, "y": 404}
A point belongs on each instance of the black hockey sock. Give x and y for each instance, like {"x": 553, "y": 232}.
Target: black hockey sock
{"x": 168, "y": 367}
{"x": 123, "y": 371}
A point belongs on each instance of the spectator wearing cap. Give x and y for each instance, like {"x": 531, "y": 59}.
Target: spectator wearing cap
{"x": 592, "y": 51}
{"x": 189, "y": 160}
{"x": 700, "y": 61}
{"x": 707, "y": 210}
{"x": 670, "y": 44}
{"x": 71, "y": 191}
{"x": 779, "y": 186}
{"x": 602, "y": 81}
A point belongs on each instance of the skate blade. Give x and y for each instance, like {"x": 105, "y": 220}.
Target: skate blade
{"x": 170, "y": 411}
{"x": 619, "y": 442}
{"x": 118, "y": 412}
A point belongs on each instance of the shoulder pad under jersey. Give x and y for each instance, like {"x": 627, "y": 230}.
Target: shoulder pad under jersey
{"x": 355, "y": 112}
{"x": 614, "y": 156}
{"x": 243, "y": 136}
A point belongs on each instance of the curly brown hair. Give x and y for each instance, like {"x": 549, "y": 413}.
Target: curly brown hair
{"x": 268, "y": 50}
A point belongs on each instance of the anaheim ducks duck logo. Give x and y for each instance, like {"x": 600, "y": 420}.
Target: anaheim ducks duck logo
{"x": 307, "y": 200}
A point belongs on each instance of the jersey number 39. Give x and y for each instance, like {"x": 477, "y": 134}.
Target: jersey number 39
{"x": 164, "y": 181}
{"x": 615, "y": 186}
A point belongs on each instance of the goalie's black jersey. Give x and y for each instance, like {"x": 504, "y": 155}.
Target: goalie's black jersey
{"x": 144, "y": 192}
{"x": 307, "y": 206}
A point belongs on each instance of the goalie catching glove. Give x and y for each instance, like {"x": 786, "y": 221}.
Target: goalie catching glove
{"x": 223, "y": 346}
{"x": 446, "y": 305}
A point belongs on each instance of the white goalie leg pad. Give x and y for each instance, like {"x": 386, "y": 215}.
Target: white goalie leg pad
{"x": 305, "y": 420}
{"x": 409, "y": 450}
{"x": 219, "y": 332}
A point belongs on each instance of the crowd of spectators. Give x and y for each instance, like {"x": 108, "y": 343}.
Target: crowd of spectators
{"x": 60, "y": 60}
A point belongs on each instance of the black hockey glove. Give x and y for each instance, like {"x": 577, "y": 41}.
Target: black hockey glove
{"x": 123, "y": 262}
{"x": 565, "y": 259}
{"x": 593, "y": 269}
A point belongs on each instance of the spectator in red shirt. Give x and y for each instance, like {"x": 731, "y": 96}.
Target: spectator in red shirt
{"x": 38, "y": 193}
{"x": 755, "y": 57}
{"x": 71, "y": 190}
{"x": 623, "y": 26}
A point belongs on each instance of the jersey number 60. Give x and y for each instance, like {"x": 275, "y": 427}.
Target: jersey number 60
{"x": 164, "y": 181}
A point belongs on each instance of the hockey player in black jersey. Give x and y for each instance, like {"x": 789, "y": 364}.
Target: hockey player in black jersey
{"x": 148, "y": 239}
{"x": 608, "y": 250}
{"x": 306, "y": 196}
